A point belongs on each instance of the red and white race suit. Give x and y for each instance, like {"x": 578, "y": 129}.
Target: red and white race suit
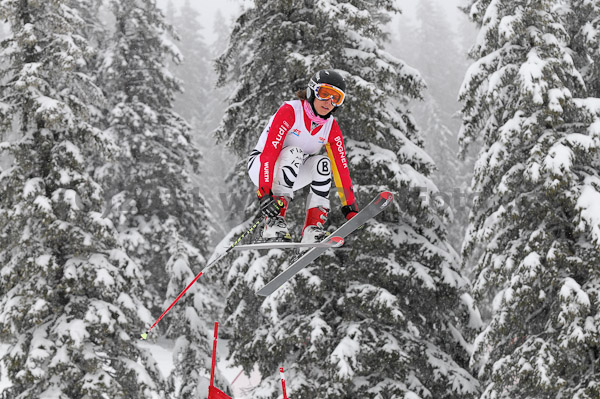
{"x": 287, "y": 158}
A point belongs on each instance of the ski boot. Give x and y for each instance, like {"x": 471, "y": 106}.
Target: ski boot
{"x": 313, "y": 226}
{"x": 275, "y": 227}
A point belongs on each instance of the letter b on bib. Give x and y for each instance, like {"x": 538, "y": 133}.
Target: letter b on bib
{"x": 324, "y": 167}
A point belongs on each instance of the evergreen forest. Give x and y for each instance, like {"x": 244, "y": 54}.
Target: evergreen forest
{"x": 125, "y": 132}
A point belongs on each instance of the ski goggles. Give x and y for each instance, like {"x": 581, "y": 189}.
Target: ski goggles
{"x": 323, "y": 91}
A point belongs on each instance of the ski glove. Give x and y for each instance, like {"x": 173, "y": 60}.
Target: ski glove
{"x": 350, "y": 211}
{"x": 269, "y": 206}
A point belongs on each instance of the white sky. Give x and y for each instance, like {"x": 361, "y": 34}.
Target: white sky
{"x": 231, "y": 8}
{"x": 208, "y": 9}
{"x": 455, "y": 16}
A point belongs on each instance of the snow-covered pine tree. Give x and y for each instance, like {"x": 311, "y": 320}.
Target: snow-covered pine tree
{"x": 195, "y": 71}
{"x": 162, "y": 219}
{"x": 202, "y": 104}
{"x": 583, "y": 22}
{"x": 535, "y": 219}
{"x": 221, "y": 28}
{"x": 221, "y": 156}
{"x": 71, "y": 299}
{"x": 170, "y": 12}
{"x": 386, "y": 319}
{"x": 429, "y": 44}
{"x": 438, "y": 46}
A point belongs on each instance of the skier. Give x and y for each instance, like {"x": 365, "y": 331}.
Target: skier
{"x": 286, "y": 158}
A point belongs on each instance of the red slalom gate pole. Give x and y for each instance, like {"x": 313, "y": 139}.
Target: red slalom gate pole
{"x": 214, "y": 356}
{"x": 255, "y": 224}
{"x": 283, "y": 383}
{"x": 213, "y": 391}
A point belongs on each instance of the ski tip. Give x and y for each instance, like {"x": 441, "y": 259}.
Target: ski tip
{"x": 388, "y": 197}
{"x": 336, "y": 242}
{"x": 144, "y": 336}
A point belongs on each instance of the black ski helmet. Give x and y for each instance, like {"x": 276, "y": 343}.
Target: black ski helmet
{"x": 328, "y": 76}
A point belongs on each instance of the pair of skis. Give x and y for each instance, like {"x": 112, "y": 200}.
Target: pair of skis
{"x": 335, "y": 240}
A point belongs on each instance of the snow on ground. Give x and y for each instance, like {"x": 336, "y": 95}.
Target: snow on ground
{"x": 240, "y": 382}
{"x": 162, "y": 353}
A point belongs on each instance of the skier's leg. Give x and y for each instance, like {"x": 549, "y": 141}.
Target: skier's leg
{"x": 315, "y": 171}
{"x": 285, "y": 174}
{"x": 254, "y": 166}
{"x": 287, "y": 170}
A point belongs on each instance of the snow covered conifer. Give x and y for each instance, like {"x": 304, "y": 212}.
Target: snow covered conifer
{"x": 439, "y": 57}
{"x": 429, "y": 45}
{"x": 583, "y": 23}
{"x": 161, "y": 218}
{"x": 535, "y": 220}
{"x": 71, "y": 299}
{"x": 202, "y": 105}
{"x": 442, "y": 65}
{"x": 196, "y": 69}
{"x": 387, "y": 318}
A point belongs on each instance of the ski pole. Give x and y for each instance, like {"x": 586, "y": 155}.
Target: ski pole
{"x": 211, "y": 264}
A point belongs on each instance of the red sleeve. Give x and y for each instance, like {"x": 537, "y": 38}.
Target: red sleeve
{"x": 282, "y": 123}
{"x": 339, "y": 165}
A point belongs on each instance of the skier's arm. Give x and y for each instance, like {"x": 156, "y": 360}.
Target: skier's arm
{"x": 340, "y": 172}
{"x": 282, "y": 123}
